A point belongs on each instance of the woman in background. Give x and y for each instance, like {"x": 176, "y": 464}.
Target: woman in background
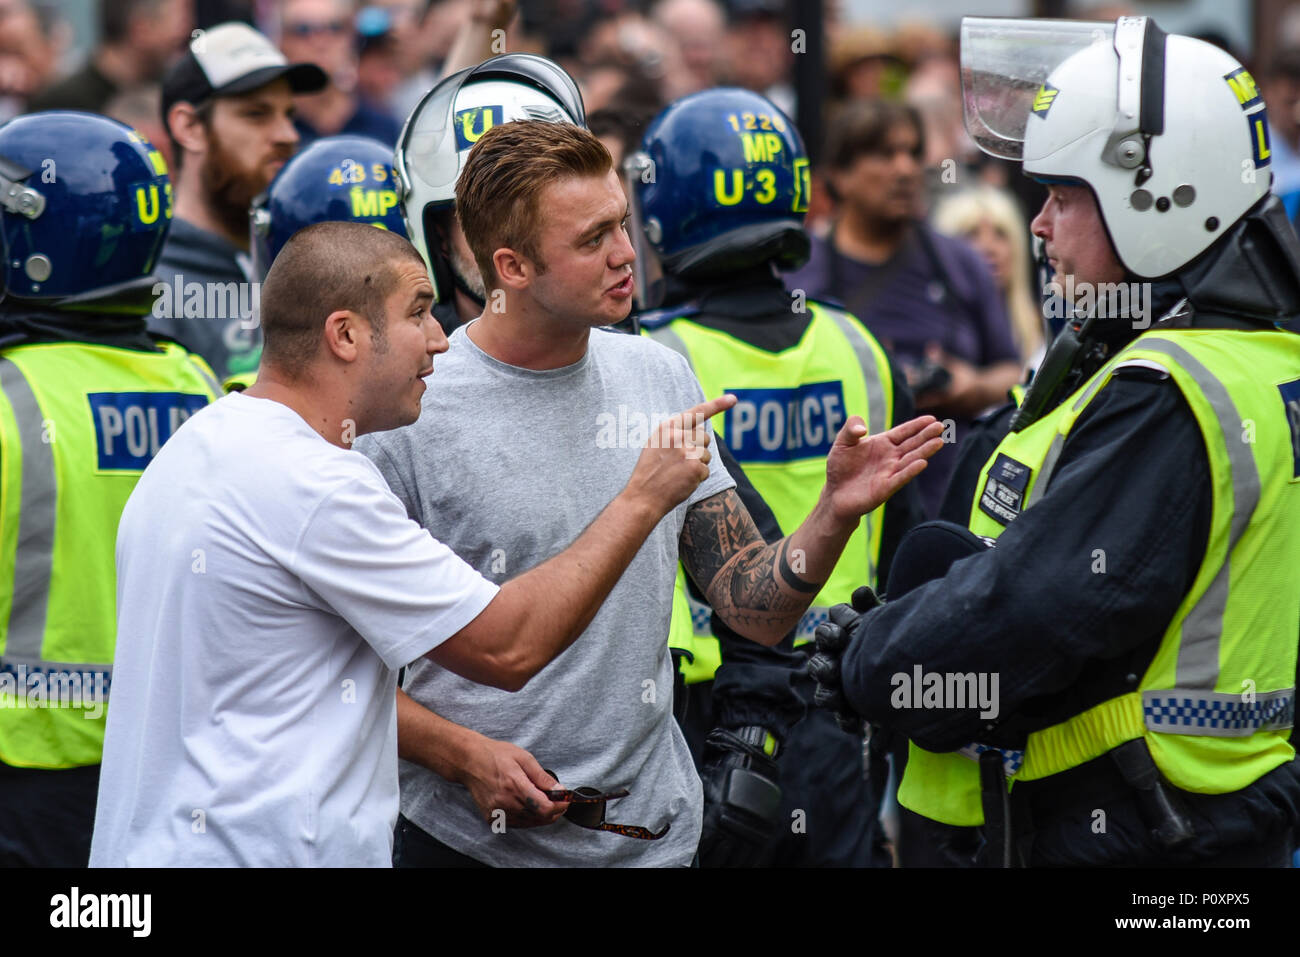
{"x": 988, "y": 219}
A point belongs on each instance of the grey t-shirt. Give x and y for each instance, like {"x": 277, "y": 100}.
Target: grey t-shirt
{"x": 507, "y": 466}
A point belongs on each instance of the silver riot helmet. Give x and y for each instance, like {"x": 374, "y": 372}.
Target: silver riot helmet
{"x": 451, "y": 118}
{"x": 1168, "y": 132}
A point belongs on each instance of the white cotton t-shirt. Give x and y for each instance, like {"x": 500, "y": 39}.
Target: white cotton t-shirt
{"x": 269, "y": 587}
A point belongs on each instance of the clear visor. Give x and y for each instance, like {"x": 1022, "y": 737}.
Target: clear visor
{"x": 1004, "y": 65}
{"x": 422, "y": 143}
{"x": 648, "y": 269}
{"x": 259, "y": 242}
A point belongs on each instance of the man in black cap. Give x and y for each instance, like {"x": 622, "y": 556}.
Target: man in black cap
{"x": 227, "y": 106}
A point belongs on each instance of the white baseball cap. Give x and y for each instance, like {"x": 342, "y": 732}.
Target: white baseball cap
{"x": 233, "y": 58}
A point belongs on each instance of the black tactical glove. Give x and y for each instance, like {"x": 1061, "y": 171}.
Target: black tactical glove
{"x": 832, "y": 637}
{"x": 742, "y": 797}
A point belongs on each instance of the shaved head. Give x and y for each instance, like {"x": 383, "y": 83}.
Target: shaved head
{"x": 323, "y": 269}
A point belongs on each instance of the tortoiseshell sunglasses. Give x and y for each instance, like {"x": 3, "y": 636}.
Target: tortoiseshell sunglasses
{"x": 587, "y": 809}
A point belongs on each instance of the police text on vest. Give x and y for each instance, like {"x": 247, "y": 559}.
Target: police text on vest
{"x": 781, "y": 425}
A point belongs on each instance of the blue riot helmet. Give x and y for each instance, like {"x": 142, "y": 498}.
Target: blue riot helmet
{"x": 85, "y": 205}
{"x": 337, "y": 178}
{"x": 721, "y": 183}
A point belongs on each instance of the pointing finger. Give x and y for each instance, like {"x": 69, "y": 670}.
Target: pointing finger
{"x": 707, "y": 410}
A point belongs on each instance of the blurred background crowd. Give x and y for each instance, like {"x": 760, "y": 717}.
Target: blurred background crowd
{"x": 874, "y": 87}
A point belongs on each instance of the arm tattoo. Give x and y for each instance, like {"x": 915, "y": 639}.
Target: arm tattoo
{"x": 715, "y": 530}
{"x": 748, "y": 582}
{"x": 791, "y": 579}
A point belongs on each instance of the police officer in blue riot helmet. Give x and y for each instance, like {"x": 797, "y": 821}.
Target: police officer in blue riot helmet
{"x": 87, "y": 397}
{"x": 720, "y": 188}
{"x": 344, "y": 178}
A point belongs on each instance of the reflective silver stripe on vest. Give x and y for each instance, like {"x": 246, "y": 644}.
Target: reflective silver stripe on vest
{"x": 34, "y": 557}
{"x": 666, "y": 337}
{"x": 1087, "y": 395}
{"x": 1217, "y": 714}
{"x": 876, "y": 421}
{"x": 1198, "y": 652}
{"x": 62, "y": 683}
{"x": 1058, "y": 440}
{"x": 212, "y": 383}
{"x": 1045, "y": 473}
{"x": 1011, "y": 759}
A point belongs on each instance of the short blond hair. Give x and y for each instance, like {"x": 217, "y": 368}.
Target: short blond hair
{"x": 499, "y": 189}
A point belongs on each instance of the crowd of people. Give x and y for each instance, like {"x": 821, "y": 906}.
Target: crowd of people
{"x": 576, "y": 572}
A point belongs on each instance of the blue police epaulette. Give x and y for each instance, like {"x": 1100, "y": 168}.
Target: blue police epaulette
{"x": 657, "y": 318}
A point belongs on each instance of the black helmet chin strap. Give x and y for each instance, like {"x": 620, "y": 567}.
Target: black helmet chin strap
{"x": 1138, "y": 42}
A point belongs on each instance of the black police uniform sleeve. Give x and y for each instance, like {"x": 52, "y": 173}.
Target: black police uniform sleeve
{"x": 755, "y": 683}
{"x": 1094, "y": 570}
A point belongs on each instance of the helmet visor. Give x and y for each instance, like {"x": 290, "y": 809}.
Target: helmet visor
{"x": 424, "y": 137}
{"x": 259, "y": 236}
{"x": 648, "y": 268}
{"x": 1005, "y": 64}
{"x": 427, "y": 129}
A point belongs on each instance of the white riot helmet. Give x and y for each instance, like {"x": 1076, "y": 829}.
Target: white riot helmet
{"x": 1168, "y": 132}
{"x": 439, "y": 133}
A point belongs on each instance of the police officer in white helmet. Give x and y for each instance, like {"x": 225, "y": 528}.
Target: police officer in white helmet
{"x": 1127, "y": 648}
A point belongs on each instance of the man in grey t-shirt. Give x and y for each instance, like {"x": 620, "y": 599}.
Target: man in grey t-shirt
{"x": 534, "y": 419}
{"x": 601, "y": 713}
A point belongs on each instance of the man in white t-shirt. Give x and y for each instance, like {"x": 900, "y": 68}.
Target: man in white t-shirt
{"x": 270, "y": 584}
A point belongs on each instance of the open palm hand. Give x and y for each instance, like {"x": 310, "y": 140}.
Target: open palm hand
{"x": 863, "y": 471}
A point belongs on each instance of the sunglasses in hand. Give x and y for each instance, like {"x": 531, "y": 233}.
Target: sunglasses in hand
{"x": 587, "y": 809}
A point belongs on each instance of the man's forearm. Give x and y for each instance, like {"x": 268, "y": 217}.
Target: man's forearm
{"x": 430, "y": 740}
{"x": 764, "y": 590}
{"x": 547, "y": 608}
